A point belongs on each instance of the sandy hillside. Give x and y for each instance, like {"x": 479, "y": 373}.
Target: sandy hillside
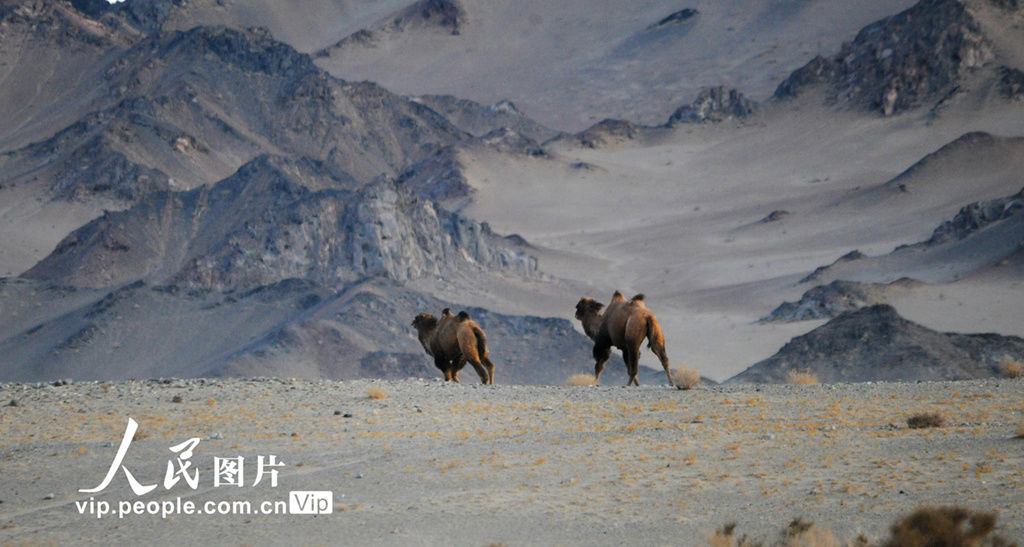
{"x": 433, "y": 464}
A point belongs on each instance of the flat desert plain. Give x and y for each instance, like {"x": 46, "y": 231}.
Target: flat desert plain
{"x": 422, "y": 462}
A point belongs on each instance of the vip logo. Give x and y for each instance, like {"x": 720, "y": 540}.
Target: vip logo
{"x": 310, "y": 502}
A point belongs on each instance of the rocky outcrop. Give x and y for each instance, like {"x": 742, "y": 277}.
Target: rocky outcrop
{"x": 675, "y": 18}
{"x": 264, "y": 224}
{"x": 608, "y": 132}
{"x": 900, "y": 62}
{"x": 976, "y": 216}
{"x": 479, "y": 120}
{"x": 147, "y": 16}
{"x": 439, "y": 178}
{"x": 838, "y": 297}
{"x": 876, "y": 344}
{"x": 447, "y": 16}
{"x": 509, "y": 141}
{"x": 714, "y": 104}
{"x": 1011, "y": 83}
{"x": 851, "y": 256}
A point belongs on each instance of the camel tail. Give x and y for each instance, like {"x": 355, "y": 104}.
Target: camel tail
{"x": 481, "y": 350}
{"x": 481, "y": 343}
{"x": 655, "y": 338}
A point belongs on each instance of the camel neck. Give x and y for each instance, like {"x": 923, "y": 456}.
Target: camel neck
{"x": 591, "y": 324}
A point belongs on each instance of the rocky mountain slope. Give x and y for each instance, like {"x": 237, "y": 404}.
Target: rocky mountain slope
{"x": 875, "y": 344}
{"x": 263, "y": 225}
{"x": 919, "y": 56}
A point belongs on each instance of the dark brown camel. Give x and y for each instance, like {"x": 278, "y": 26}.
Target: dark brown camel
{"x": 454, "y": 340}
{"x": 624, "y": 324}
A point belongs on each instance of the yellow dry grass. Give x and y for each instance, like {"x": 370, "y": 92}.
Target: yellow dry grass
{"x": 581, "y": 380}
{"x": 802, "y": 378}
{"x": 685, "y": 378}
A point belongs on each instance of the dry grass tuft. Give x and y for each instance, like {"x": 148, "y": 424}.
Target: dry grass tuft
{"x": 1012, "y": 369}
{"x": 924, "y": 420}
{"x": 723, "y": 537}
{"x": 581, "y": 380}
{"x": 799, "y": 533}
{"x": 376, "y": 393}
{"x": 684, "y": 377}
{"x": 805, "y": 378}
{"x": 944, "y": 526}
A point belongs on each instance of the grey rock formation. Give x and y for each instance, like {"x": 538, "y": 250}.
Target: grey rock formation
{"x": 714, "y": 104}
{"x": 1011, "y": 83}
{"x": 439, "y": 178}
{"x": 675, "y": 18}
{"x": 976, "y": 216}
{"x": 876, "y": 344}
{"x": 264, "y": 224}
{"x": 827, "y": 301}
{"x": 900, "y": 62}
{"x": 608, "y": 131}
{"x": 479, "y": 120}
{"x": 447, "y": 16}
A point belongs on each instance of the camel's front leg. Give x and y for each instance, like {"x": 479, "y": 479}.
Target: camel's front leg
{"x": 602, "y": 352}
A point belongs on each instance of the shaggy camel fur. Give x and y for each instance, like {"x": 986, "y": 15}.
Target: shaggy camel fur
{"x": 624, "y": 324}
{"x": 453, "y": 341}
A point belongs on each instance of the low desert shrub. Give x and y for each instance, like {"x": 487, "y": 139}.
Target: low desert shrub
{"x": 376, "y": 393}
{"x": 1012, "y": 369}
{"x": 954, "y": 526}
{"x": 802, "y": 378}
{"x": 925, "y": 527}
{"x": 924, "y": 420}
{"x": 799, "y": 533}
{"x": 684, "y": 377}
{"x": 581, "y": 380}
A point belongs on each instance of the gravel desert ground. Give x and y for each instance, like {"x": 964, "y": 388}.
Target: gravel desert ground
{"x": 422, "y": 462}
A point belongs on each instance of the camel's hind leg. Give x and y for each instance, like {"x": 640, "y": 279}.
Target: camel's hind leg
{"x": 485, "y": 378}
{"x": 663, "y": 357}
{"x": 490, "y": 370}
{"x": 632, "y": 358}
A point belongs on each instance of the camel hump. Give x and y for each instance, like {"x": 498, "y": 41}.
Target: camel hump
{"x": 637, "y": 298}
{"x": 617, "y": 294}
{"x": 462, "y": 316}
{"x": 447, "y": 312}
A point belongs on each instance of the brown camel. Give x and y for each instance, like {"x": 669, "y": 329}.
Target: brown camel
{"x": 624, "y": 324}
{"x": 454, "y": 340}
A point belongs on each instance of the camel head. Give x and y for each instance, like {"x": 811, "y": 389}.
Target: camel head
{"x": 587, "y": 307}
{"x": 424, "y": 323}
{"x": 588, "y": 311}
